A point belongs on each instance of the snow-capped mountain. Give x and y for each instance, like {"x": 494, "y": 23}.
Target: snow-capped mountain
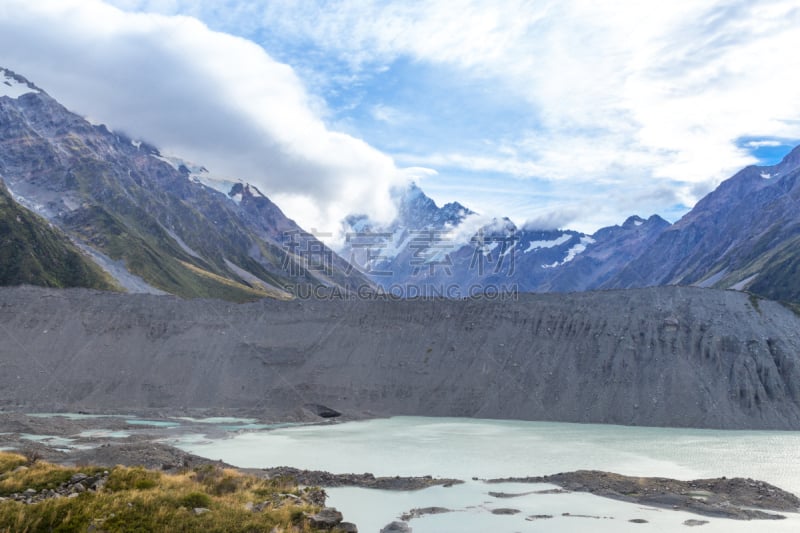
{"x": 377, "y": 249}
{"x": 452, "y": 251}
{"x": 156, "y": 224}
{"x": 745, "y": 235}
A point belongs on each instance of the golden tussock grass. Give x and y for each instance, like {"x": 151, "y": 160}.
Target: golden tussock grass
{"x": 140, "y": 500}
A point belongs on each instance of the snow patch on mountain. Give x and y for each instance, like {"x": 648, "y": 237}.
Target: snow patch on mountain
{"x": 13, "y": 88}
{"x": 489, "y": 248}
{"x": 573, "y": 252}
{"x": 200, "y": 174}
{"x": 535, "y": 245}
{"x": 398, "y": 242}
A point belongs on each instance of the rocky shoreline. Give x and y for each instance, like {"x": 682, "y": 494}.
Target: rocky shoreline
{"x": 140, "y": 444}
{"x": 735, "y": 498}
{"x": 366, "y": 480}
{"x": 109, "y": 440}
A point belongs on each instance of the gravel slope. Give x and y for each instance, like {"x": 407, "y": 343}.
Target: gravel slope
{"x": 659, "y": 356}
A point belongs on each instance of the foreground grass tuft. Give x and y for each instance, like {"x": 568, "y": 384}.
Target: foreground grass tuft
{"x": 139, "y": 500}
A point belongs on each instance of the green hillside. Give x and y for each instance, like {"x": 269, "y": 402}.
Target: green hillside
{"x": 32, "y": 252}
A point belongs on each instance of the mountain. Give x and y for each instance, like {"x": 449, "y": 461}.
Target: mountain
{"x": 744, "y": 235}
{"x": 150, "y": 221}
{"x": 612, "y": 249}
{"x": 34, "y": 253}
{"x": 451, "y": 251}
{"x": 415, "y": 210}
{"x": 159, "y": 224}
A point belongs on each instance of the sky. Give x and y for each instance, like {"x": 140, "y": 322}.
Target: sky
{"x": 569, "y": 113}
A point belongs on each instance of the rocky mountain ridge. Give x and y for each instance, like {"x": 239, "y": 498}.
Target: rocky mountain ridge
{"x": 743, "y": 235}
{"x": 144, "y": 219}
{"x": 432, "y": 250}
{"x": 162, "y": 225}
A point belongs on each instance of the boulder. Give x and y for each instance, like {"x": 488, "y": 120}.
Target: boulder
{"x": 327, "y": 518}
{"x": 505, "y": 511}
{"x": 322, "y": 410}
{"x": 396, "y": 527}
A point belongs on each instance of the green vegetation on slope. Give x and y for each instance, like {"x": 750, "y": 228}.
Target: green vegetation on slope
{"x": 780, "y": 278}
{"x": 123, "y": 226}
{"x": 207, "y": 498}
{"x": 773, "y": 264}
{"x": 155, "y": 257}
{"x": 32, "y": 252}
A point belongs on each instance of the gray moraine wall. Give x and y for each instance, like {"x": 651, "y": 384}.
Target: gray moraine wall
{"x": 664, "y": 356}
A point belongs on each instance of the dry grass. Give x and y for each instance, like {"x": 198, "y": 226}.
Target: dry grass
{"x": 139, "y": 500}
{"x": 10, "y": 461}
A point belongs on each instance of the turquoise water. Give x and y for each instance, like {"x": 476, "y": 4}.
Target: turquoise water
{"x": 59, "y": 443}
{"x": 50, "y": 440}
{"x": 104, "y": 434}
{"x": 73, "y": 416}
{"x": 219, "y": 420}
{"x": 154, "y": 423}
{"x": 466, "y": 448}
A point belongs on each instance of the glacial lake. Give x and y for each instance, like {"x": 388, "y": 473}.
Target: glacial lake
{"x": 467, "y": 448}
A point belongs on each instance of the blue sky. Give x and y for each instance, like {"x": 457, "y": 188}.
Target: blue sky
{"x": 555, "y": 113}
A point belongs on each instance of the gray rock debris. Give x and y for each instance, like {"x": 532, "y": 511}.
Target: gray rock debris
{"x": 602, "y": 357}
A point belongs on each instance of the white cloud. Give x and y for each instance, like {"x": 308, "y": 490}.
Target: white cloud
{"x": 624, "y": 99}
{"x": 388, "y": 114}
{"x": 209, "y": 97}
{"x": 764, "y": 144}
{"x": 466, "y": 232}
{"x": 617, "y": 91}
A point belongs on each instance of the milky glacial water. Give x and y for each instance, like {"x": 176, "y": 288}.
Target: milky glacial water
{"x": 76, "y": 416}
{"x": 218, "y": 420}
{"x": 467, "y": 448}
{"x": 154, "y": 423}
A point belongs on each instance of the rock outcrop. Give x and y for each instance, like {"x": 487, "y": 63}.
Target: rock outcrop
{"x": 735, "y": 498}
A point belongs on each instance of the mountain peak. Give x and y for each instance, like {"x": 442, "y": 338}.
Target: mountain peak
{"x": 791, "y": 160}
{"x": 634, "y": 220}
{"x": 416, "y": 210}
{"x": 13, "y": 85}
{"x": 150, "y": 220}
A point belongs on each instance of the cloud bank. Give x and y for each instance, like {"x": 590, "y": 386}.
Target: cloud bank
{"x": 535, "y": 109}
{"x": 611, "y": 94}
{"x": 206, "y": 96}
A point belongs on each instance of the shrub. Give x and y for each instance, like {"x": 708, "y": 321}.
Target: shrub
{"x": 195, "y": 499}
{"x": 136, "y": 478}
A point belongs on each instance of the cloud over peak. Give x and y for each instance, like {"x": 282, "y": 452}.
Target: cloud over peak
{"x": 525, "y": 108}
{"x": 210, "y": 97}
